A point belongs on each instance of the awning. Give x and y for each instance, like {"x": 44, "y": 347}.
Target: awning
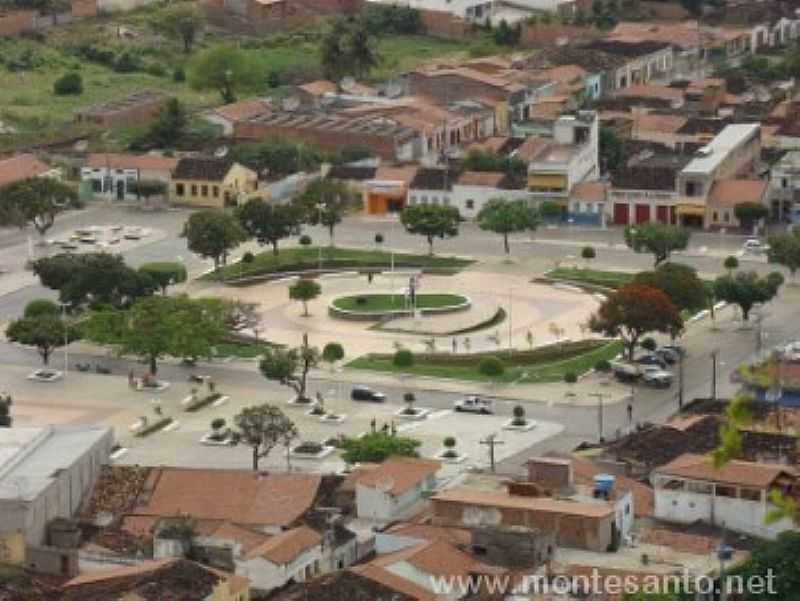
{"x": 693, "y": 210}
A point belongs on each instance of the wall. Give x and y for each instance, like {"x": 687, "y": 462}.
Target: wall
{"x": 84, "y": 8}
{"x": 541, "y": 34}
{"x": 265, "y": 575}
{"x": 193, "y": 193}
{"x": 13, "y": 23}
{"x": 50, "y": 560}
{"x": 12, "y": 547}
{"x": 479, "y": 196}
{"x": 443, "y": 24}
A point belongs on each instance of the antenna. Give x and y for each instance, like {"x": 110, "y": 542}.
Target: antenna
{"x": 347, "y": 83}
{"x": 291, "y": 103}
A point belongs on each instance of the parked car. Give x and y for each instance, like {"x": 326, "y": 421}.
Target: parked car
{"x": 365, "y": 393}
{"x": 625, "y": 371}
{"x": 474, "y": 404}
{"x": 754, "y": 246}
{"x": 675, "y": 348}
{"x": 651, "y": 359}
{"x": 668, "y": 355}
{"x": 653, "y": 375}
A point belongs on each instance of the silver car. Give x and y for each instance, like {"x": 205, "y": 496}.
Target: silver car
{"x": 474, "y": 404}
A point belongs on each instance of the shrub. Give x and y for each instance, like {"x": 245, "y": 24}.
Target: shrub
{"x": 248, "y": 257}
{"x": 332, "y": 352}
{"x": 403, "y": 358}
{"x": 69, "y": 84}
{"x": 603, "y": 366}
{"x": 41, "y": 306}
{"x": 178, "y": 75}
{"x": 361, "y": 300}
{"x": 309, "y": 448}
{"x": 156, "y": 70}
{"x": 449, "y": 442}
{"x": 305, "y": 240}
{"x": 649, "y": 344}
{"x": 378, "y": 238}
{"x": 491, "y": 367}
{"x": 217, "y": 424}
{"x": 126, "y": 63}
{"x": 519, "y": 416}
{"x": 570, "y": 377}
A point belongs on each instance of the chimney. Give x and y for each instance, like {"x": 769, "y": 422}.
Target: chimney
{"x": 551, "y": 473}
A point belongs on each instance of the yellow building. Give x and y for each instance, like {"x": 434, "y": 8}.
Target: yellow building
{"x": 213, "y": 183}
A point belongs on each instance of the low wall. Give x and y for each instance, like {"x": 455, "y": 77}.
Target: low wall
{"x": 338, "y": 313}
{"x": 280, "y": 275}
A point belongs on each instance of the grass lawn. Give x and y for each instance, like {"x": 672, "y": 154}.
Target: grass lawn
{"x": 594, "y": 277}
{"x": 378, "y": 303}
{"x": 299, "y": 259}
{"x": 241, "y": 350}
{"x": 545, "y": 364}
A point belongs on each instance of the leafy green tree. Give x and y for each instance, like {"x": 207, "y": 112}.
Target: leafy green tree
{"x": 324, "y": 202}
{"x": 519, "y": 415}
{"x": 168, "y": 128}
{"x": 263, "y": 428}
{"x": 348, "y": 49}
{"x": 777, "y": 562}
{"x": 749, "y": 213}
{"x": 658, "y": 239}
{"x": 403, "y": 358}
{"x": 182, "y": 21}
{"x": 268, "y": 222}
{"x": 505, "y": 35}
{"x": 695, "y": 7}
{"x": 165, "y": 273}
{"x": 785, "y": 250}
{"x": 34, "y": 201}
{"x": 679, "y": 282}
{"x": 46, "y": 332}
{"x": 304, "y": 290}
{"x": 377, "y": 447}
{"x": 431, "y": 221}
{"x": 93, "y": 279}
{"x": 278, "y": 156}
{"x": 635, "y": 310}
{"x": 290, "y": 367}
{"x": 505, "y": 217}
{"x": 483, "y": 160}
{"x": 588, "y": 253}
{"x": 212, "y": 234}
{"x": 160, "y": 325}
{"x": 731, "y": 264}
{"x": 69, "y": 84}
{"x": 41, "y": 306}
{"x": 147, "y": 188}
{"x": 491, "y": 367}
{"x": 223, "y": 68}
{"x": 612, "y": 150}
{"x": 744, "y": 289}
{"x": 332, "y": 352}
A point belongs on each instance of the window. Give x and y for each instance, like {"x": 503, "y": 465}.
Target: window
{"x": 627, "y": 509}
{"x": 194, "y": 190}
{"x": 435, "y": 200}
{"x": 97, "y": 185}
{"x": 179, "y": 190}
{"x": 423, "y": 199}
{"x": 446, "y": 201}
{"x": 204, "y": 190}
{"x": 726, "y": 491}
{"x": 215, "y": 190}
{"x": 716, "y": 216}
{"x": 750, "y": 494}
{"x": 470, "y": 203}
{"x": 784, "y": 183}
{"x": 727, "y": 216}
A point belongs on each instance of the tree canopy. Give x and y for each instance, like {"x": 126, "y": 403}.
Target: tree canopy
{"x": 777, "y": 562}
{"x": 324, "y": 202}
{"x": 612, "y": 150}
{"x": 304, "y": 290}
{"x": 679, "y": 282}
{"x": 290, "y": 367}
{"x": 262, "y": 428}
{"x": 44, "y": 331}
{"x": 431, "y": 221}
{"x": 35, "y": 201}
{"x": 484, "y": 160}
{"x": 635, "y": 310}
{"x": 167, "y": 129}
{"x": 505, "y": 217}
{"x": 348, "y": 49}
{"x": 785, "y": 250}
{"x": 745, "y": 289}
{"x": 182, "y": 21}
{"x": 212, "y": 234}
{"x": 658, "y": 239}
{"x": 377, "y": 447}
{"x": 749, "y": 213}
{"x": 268, "y": 222}
{"x": 165, "y": 273}
{"x": 223, "y": 68}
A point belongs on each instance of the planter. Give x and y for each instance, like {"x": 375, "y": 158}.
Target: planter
{"x": 458, "y": 458}
{"x": 210, "y": 441}
{"x": 118, "y": 454}
{"x": 529, "y": 425}
{"x": 157, "y": 386}
{"x": 331, "y": 418}
{"x": 315, "y": 413}
{"x": 419, "y": 414}
{"x": 321, "y": 454}
{"x": 161, "y": 424}
{"x": 216, "y": 399}
{"x": 45, "y": 375}
{"x": 296, "y": 402}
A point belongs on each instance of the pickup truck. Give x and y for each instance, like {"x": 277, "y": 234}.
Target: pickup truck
{"x": 474, "y": 404}
{"x": 652, "y": 375}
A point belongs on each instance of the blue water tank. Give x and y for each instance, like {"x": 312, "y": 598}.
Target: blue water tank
{"x": 603, "y": 483}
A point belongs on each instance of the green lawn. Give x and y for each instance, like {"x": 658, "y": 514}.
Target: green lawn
{"x": 241, "y": 350}
{"x": 378, "y": 303}
{"x": 545, "y": 364}
{"x": 593, "y": 277}
{"x": 300, "y": 259}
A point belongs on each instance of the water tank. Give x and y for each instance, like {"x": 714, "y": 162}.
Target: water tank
{"x": 603, "y": 483}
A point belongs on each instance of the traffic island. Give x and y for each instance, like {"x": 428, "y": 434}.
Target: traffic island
{"x": 383, "y": 306}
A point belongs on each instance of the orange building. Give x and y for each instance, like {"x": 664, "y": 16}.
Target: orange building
{"x": 388, "y": 191}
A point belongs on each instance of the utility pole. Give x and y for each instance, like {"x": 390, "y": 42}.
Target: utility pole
{"x": 714, "y": 354}
{"x": 600, "y": 425}
{"x": 680, "y": 381}
{"x": 491, "y": 441}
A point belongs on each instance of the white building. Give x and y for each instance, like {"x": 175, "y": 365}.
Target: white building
{"x": 784, "y": 186}
{"x": 115, "y": 176}
{"x": 690, "y": 489}
{"x": 294, "y": 555}
{"x": 393, "y": 489}
{"x": 44, "y": 474}
{"x": 478, "y": 11}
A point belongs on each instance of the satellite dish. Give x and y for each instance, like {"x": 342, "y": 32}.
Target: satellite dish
{"x": 394, "y": 89}
{"x": 290, "y": 103}
{"x": 347, "y": 83}
{"x": 221, "y": 152}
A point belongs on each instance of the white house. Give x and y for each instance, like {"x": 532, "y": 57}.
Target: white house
{"x": 295, "y": 555}
{"x": 691, "y": 489}
{"x": 116, "y": 175}
{"x": 393, "y": 489}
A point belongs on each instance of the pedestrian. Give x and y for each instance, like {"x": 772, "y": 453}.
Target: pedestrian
{"x": 455, "y": 346}
{"x": 211, "y": 386}
{"x": 131, "y": 379}
{"x": 373, "y": 425}
{"x": 385, "y": 428}
{"x": 630, "y": 414}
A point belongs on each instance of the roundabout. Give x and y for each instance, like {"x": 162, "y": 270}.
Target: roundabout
{"x": 388, "y": 305}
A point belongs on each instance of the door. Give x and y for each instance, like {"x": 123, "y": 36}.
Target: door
{"x": 621, "y": 213}
{"x": 120, "y": 190}
{"x": 642, "y": 213}
{"x": 662, "y": 214}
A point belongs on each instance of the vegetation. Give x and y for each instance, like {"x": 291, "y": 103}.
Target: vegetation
{"x": 44, "y": 330}
{"x": 262, "y": 428}
{"x": 290, "y": 367}
{"x": 543, "y": 364}
{"x": 588, "y": 254}
{"x": 679, "y": 282}
{"x": 746, "y": 289}
{"x": 484, "y": 160}
{"x": 592, "y": 277}
{"x": 35, "y": 201}
{"x": 731, "y": 264}
{"x": 505, "y": 217}
{"x": 304, "y": 290}
{"x": 777, "y": 562}
{"x": 785, "y": 250}
{"x": 519, "y": 416}
{"x": 491, "y": 367}
{"x": 324, "y": 202}
{"x": 332, "y": 352}
{"x": 658, "y": 239}
{"x": 167, "y": 130}
{"x": 165, "y": 273}
{"x": 348, "y": 49}
{"x": 379, "y": 303}
{"x": 224, "y": 68}
{"x": 69, "y": 84}
{"x": 6, "y": 401}
{"x": 403, "y": 358}
{"x": 377, "y": 447}
{"x": 212, "y": 234}
{"x": 612, "y": 150}
{"x": 431, "y": 221}
{"x": 182, "y": 21}
{"x": 268, "y": 222}
{"x": 750, "y": 213}
{"x": 633, "y": 311}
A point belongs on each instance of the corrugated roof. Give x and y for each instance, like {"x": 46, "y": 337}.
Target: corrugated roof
{"x": 744, "y": 473}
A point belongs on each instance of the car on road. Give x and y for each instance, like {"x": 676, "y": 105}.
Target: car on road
{"x": 474, "y": 404}
{"x": 677, "y": 349}
{"x": 754, "y": 246}
{"x": 365, "y": 393}
{"x": 651, "y": 359}
{"x": 652, "y": 375}
{"x": 668, "y": 355}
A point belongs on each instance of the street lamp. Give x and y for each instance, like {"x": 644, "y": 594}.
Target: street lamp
{"x": 66, "y": 338}
{"x": 714, "y": 355}
{"x": 320, "y": 208}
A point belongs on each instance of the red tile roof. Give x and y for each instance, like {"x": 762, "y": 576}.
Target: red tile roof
{"x": 400, "y": 474}
{"x": 454, "y": 536}
{"x": 591, "y": 191}
{"x": 151, "y": 162}
{"x": 744, "y": 473}
{"x": 730, "y": 192}
{"x": 643, "y": 496}
{"x": 285, "y": 547}
{"x": 319, "y": 87}
{"x": 21, "y": 166}
{"x": 489, "y": 179}
{"x": 244, "y": 109}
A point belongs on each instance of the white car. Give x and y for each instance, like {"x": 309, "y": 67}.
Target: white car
{"x": 754, "y": 246}
{"x": 653, "y": 375}
{"x": 474, "y": 404}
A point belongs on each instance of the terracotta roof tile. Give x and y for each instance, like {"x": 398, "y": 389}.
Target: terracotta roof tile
{"x": 123, "y": 572}
{"x": 532, "y": 147}
{"x": 650, "y": 91}
{"x": 680, "y": 541}
{"x": 21, "y": 166}
{"x": 745, "y": 473}
{"x": 643, "y": 496}
{"x": 402, "y": 174}
{"x": 223, "y": 530}
{"x": 152, "y": 162}
{"x": 658, "y": 123}
{"x": 454, "y": 536}
{"x": 285, "y": 547}
{"x": 589, "y": 191}
{"x": 400, "y": 474}
{"x": 490, "y": 179}
{"x": 396, "y": 583}
{"x": 244, "y": 109}
{"x": 240, "y": 496}
{"x": 730, "y": 192}
{"x": 319, "y": 87}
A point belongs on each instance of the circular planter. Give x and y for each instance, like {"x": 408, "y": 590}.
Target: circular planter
{"x": 530, "y": 424}
{"x": 461, "y": 303}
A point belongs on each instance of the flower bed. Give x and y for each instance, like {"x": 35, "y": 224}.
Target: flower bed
{"x": 215, "y": 398}
{"x": 154, "y": 427}
{"x": 450, "y": 456}
{"x": 311, "y": 450}
{"x": 419, "y": 413}
{"x": 46, "y": 375}
{"x": 333, "y": 418}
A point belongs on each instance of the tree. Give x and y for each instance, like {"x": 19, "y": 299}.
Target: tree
{"x": 505, "y": 35}
{"x": 403, "y": 358}
{"x": 168, "y": 128}
{"x": 505, "y": 217}
{"x": 777, "y": 562}
{"x": 744, "y": 289}
{"x": 223, "y": 68}
{"x": 731, "y": 264}
{"x": 431, "y": 221}
{"x": 160, "y": 325}
{"x": 491, "y": 367}
{"x": 612, "y": 150}
{"x": 332, "y": 352}
{"x": 449, "y": 444}
{"x": 267, "y": 222}
{"x": 46, "y": 332}
{"x": 377, "y": 447}
{"x": 588, "y": 254}
{"x": 749, "y": 213}
{"x": 165, "y": 273}
{"x": 649, "y": 344}
{"x": 263, "y": 428}
{"x": 679, "y": 282}
{"x": 290, "y": 367}
{"x": 633, "y": 311}
{"x": 519, "y": 415}
{"x": 183, "y": 21}
{"x": 347, "y": 49}
{"x": 695, "y": 7}
{"x": 785, "y": 250}
{"x": 304, "y": 290}
{"x": 34, "y": 201}
{"x": 41, "y": 306}
{"x": 69, "y": 84}
{"x": 658, "y": 239}
{"x": 324, "y": 202}
{"x": 93, "y": 279}
{"x": 550, "y": 210}
{"x": 213, "y": 234}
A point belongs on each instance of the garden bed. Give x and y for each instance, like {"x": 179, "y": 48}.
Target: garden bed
{"x": 446, "y": 457}
{"x": 309, "y": 450}
{"x": 331, "y": 418}
{"x": 512, "y": 425}
{"x": 157, "y": 386}
{"x": 46, "y": 375}
{"x": 419, "y": 414}
{"x": 156, "y": 426}
{"x": 214, "y": 440}
{"x": 214, "y": 398}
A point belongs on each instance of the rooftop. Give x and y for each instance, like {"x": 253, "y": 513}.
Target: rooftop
{"x": 489, "y": 179}
{"x": 399, "y": 474}
{"x": 736, "y": 472}
{"x": 154, "y": 162}
{"x": 721, "y": 146}
{"x": 627, "y": 48}
{"x": 205, "y": 169}
{"x": 730, "y": 192}
{"x": 368, "y": 125}
{"x": 244, "y": 109}
{"x": 287, "y": 546}
{"x": 485, "y": 498}
{"x": 118, "y": 105}
{"x": 21, "y": 166}
{"x": 342, "y": 585}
